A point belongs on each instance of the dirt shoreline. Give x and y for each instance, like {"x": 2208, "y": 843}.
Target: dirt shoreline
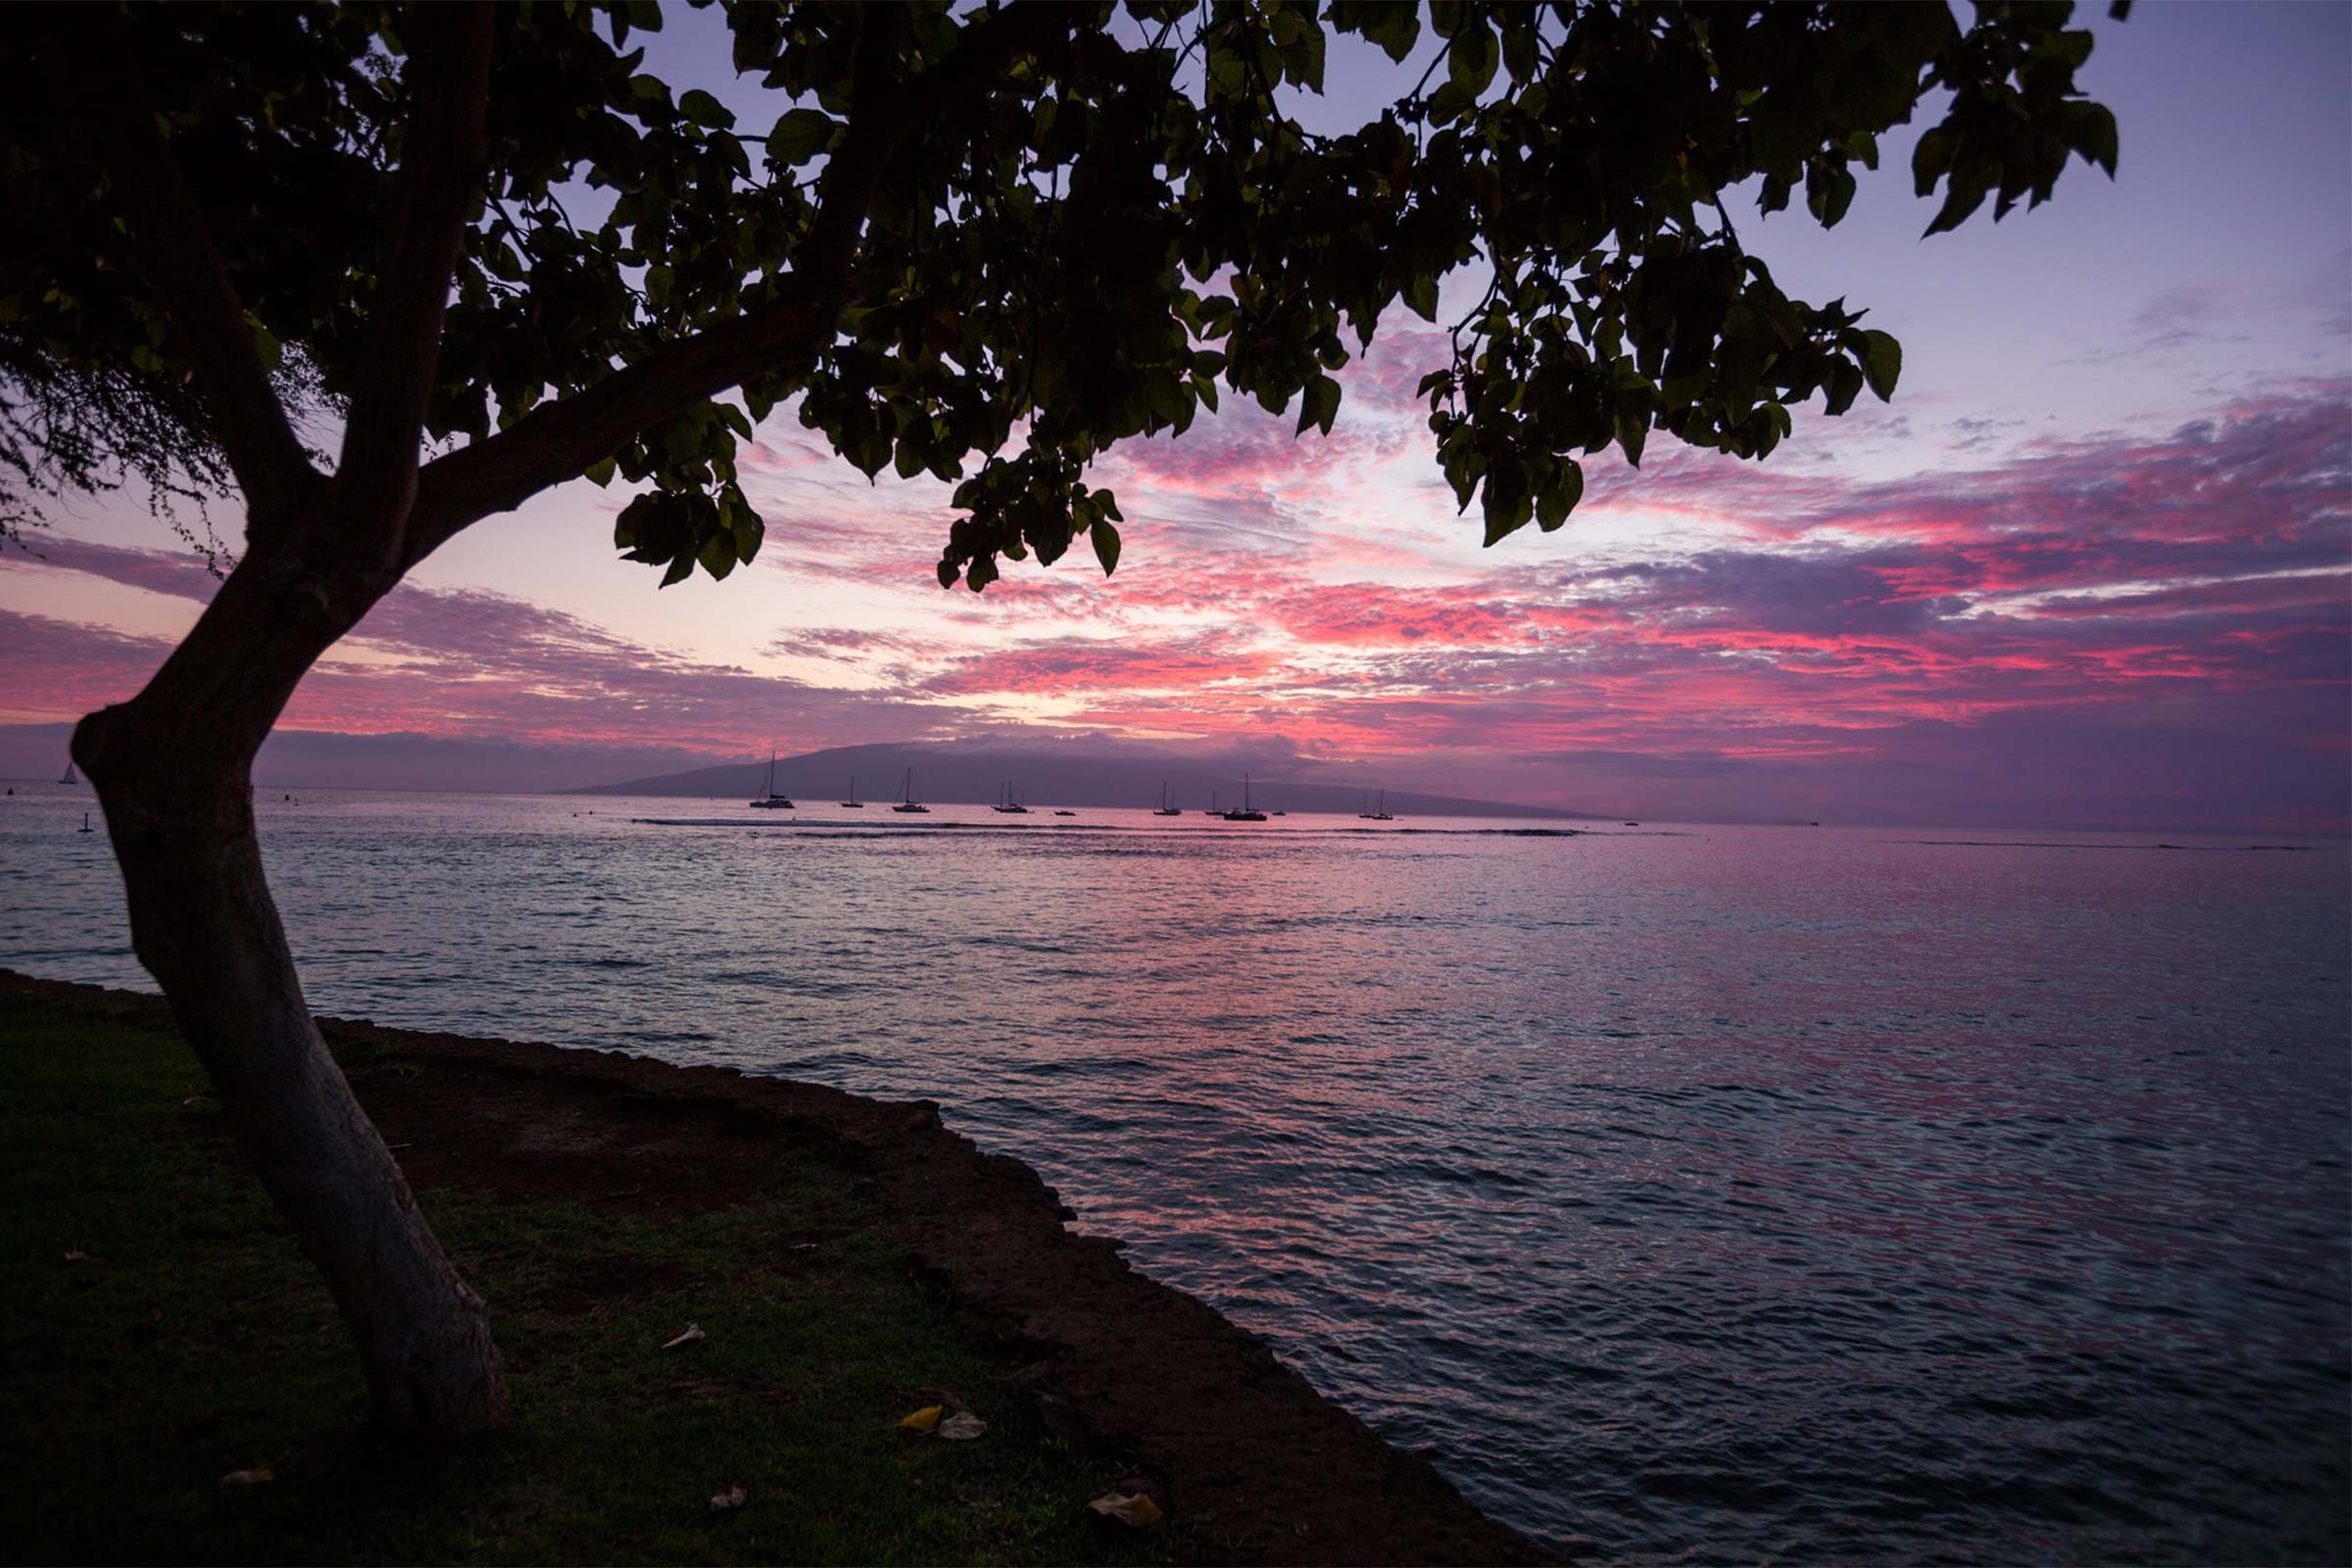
{"x": 1243, "y": 1448}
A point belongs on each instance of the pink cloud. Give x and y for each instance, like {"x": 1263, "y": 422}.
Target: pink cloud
{"x": 2124, "y": 586}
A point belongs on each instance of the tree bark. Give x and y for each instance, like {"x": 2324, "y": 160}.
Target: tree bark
{"x": 172, "y": 768}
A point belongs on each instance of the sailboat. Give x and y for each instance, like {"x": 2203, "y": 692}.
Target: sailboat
{"x": 906, "y": 801}
{"x": 853, "y": 803}
{"x": 1377, "y": 813}
{"x": 69, "y": 777}
{"x": 1168, "y": 805}
{"x": 773, "y": 801}
{"x": 1006, "y": 802}
{"x": 1245, "y": 813}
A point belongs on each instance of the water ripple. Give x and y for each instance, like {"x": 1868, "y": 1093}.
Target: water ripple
{"x": 1720, "y": 1195}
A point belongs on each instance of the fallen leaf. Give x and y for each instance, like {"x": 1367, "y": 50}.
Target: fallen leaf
{"x": 76, "y": 1257}
{"x": 949, "y": 1398}
{"x": 728, "y": 1500}
{"x": 1129, "y": 1508}
{"x": 925, "y": 1419}
{"x": 691, "y": 1333}
{"x": 961, "y": 1426}
{"x": 247, "y": 1477}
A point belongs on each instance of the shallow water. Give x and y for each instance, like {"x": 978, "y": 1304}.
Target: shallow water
{"x": 1719, "y": 1193}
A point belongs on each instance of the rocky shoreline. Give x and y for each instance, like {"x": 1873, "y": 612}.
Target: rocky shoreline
{"x": 1244, "y": 1450}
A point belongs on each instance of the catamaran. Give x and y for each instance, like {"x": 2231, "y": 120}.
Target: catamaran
{"x": 1245, "y": 813}
{"x": 773, "y": 802}
{"x": 1168, "y": 805}
{"x": 853, "y": 803}
{"x": 1006, "y": 802}
{"x": 906, "y": 801}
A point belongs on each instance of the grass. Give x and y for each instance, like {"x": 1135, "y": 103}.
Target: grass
{"x": 191, "y": 1338}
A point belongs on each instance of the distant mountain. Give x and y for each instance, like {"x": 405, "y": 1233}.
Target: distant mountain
{"x": 951, "y": 773}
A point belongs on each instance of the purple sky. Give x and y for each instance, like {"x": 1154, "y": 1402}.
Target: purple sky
{"x": 2089, "y": 568}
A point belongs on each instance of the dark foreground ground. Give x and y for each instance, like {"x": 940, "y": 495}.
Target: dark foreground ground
{"x": 848, "y": 1260}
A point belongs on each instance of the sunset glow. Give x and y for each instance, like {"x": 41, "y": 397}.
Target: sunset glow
{"x": 1984, "y": 603}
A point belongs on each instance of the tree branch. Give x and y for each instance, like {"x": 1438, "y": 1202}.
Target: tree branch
{"x": 561, "y": 440}
{"x": 442, "y": 160}
{"x": 106, "y": 92}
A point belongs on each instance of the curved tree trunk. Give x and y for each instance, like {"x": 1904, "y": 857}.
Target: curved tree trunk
{"x": 172, "y": 768}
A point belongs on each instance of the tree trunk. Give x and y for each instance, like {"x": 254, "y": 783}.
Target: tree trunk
{"x": 172, "y": 768}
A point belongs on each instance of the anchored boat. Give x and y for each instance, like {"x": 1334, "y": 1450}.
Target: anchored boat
{"x": 906, "y": 800}
{"x": 1245, "y": 813}
{"x": 773, "y": 802}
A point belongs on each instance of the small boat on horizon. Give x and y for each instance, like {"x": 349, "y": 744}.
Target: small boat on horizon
{"x": 1632, "y": 824}
{"x": 853, "y": 803}
{"x": 70, "y": 776}
{"x": 906, "y": 800}
{"x": 1377, "y": 813}
{"x": 1245, "y": 813}
{"x": 1168, "y": 805}
{"x": 1006, "y": 802}
{"x": 1059, "y": 813}
{"x": 773, "y": 802}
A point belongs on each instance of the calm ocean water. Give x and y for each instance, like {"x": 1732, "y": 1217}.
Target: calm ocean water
{"x": 1702, "y": 1194}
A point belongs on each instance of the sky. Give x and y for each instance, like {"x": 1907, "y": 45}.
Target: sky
{"x": 2092, "y": 567}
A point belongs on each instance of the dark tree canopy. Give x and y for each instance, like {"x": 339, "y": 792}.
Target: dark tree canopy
{"x": 983, "y": 243}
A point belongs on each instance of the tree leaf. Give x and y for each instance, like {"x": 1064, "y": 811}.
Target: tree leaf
{"x": 799, "y": 134}
{"x": 700, "y": 109}
{"x": 1881, "y": 362}
{"x": 1318, "y": 405}
{"x": 1129, "y": 1508}
{"x": 1560, "y": 495}
{"x": 1106, "y": 540}
{"x": 1421, "y": 295}
{"x": 1471, "y": 65}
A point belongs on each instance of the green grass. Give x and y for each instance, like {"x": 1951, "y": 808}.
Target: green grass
{"x": 193, "y": 1339}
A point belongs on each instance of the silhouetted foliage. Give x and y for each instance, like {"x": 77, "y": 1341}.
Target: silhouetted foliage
{"x": 83, "y": 427}
{"x": 1069, "y": 228}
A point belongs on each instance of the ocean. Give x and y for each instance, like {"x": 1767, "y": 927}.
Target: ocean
{"x": 1684, "y": 1193}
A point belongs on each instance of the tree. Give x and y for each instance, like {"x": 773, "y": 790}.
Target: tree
{"x": 984, "y": 244}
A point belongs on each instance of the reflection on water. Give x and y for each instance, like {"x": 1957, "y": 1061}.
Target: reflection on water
{"x": 1723, "y": 1192}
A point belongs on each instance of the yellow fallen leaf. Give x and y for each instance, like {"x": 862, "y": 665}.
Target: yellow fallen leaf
{"x": 728, "y": 1500}
{"x": 963, "y": 1426}
{"x": 1131, "y": 1508}
{"x": 925, "y": 1419}
{"x": 247, "y": 1477}
{"x": 693, "y": 1331}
